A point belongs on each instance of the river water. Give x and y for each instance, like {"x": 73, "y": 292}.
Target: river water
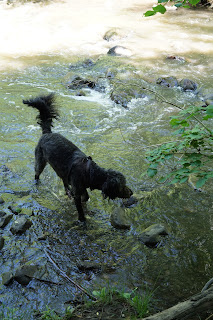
{"x": 39, "y": 44}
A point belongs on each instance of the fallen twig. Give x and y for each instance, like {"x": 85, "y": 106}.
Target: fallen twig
{"x": 68, "y": 278}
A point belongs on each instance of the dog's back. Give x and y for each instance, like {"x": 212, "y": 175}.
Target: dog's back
{"x": 59, "y": 152}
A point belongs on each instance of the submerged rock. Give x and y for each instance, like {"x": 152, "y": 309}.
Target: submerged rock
{"x": 208, "y": 99}
{"x": 80, "y": 93}
{"x": 119, "y": 51}
{"x": 119, "y": 218}
{"x": 124, "y": 92}
{"x": 21, "y": 225}
{"x": 5, "y": 218}
{"x": 130, "y": 202}
{"x": 83, "y": 64}
{"x": 150, "y": 235}
{"x": 167, "y": 82}
{"x": 7, "y": 277}
{"x": 87, "y": 265}
{"x": 188, "y": 85}
{"x": 76, "y": 82}
{"x": 24, "y": 274}
{"x": 176, "y": 58}
{"x": 111, "y": 73}
{"x": 111, "y": 35}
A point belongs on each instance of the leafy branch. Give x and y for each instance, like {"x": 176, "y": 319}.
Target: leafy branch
{"x": 191, "y": 153}
{"x": 194, "y": 144}
{"x": 160, "y": 8}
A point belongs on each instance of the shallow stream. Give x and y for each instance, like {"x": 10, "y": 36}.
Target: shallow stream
{"x": 41, "y": 60}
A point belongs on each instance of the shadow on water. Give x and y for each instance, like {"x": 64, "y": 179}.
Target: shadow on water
{"x": 115, "y": 137}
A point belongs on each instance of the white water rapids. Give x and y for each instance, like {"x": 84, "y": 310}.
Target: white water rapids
{"x": 77, "y": 27}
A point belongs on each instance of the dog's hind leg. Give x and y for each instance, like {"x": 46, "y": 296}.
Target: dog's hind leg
{"x": 40, "y": 162}
{"x": 85, "y": 196}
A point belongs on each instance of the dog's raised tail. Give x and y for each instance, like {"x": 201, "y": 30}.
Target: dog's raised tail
{"x": 47, "y": 110}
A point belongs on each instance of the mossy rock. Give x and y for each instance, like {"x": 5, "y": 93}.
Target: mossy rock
{"x": 120, "y": 218}
{"x": 150, "y": 235}
{"x": 124, "y": 91}
{"x": 21, "y": 224}
{"x": 74, "y": 81}
{"x": 5, "y": 218}
{"x": 111, "y": 34}
{"x": 188, "y": 85}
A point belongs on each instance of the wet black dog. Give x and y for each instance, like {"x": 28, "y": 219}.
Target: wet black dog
{"x": 69, "y": 162}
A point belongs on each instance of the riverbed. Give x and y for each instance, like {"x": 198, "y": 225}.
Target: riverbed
{"x": 42, "y": 47}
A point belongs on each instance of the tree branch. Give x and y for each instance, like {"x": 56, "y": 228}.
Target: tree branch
{"x": 68, "y": 278}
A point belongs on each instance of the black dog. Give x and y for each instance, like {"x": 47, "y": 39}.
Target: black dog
{"x": 69, "y": 162}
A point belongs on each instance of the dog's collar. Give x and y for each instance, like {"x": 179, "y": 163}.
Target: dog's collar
{"x": 88, "y": 166}
{"x": 89, "y": 160}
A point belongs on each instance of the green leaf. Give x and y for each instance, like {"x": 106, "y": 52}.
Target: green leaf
{"x": 175, "y": 180}
{"x": 209, "y": 174}
{"x": 152, "y": 172}
{"x": 209, "y": 110}
{"x": 126, "y": 295}
{"x": 207, "y": 117}
{"x": 163, "y": 179}
{"x": 168, "y": 156}
{"x": 96, "y": 293}
{"x": 149, "y": 13}
{"x": 162, "y": 1}
{"x": 201, "y": 182}
{"x": 160, "y": 9}
{"x": 184, "y": 179}
{"x": 176, "y": 122}
{"x": 194, "y": 2}
{"x": 183, "y": 171}
{"x": 194, "y": 156}
{"x": 196, "y": 163}
{"x": 153, "y": 165}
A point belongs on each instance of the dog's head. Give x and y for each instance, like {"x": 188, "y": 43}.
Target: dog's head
{"x": 115, "y": 186}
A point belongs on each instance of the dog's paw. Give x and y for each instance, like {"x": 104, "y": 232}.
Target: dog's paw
{"x": 80, "y": 224}
{"x": 36, "y": 181}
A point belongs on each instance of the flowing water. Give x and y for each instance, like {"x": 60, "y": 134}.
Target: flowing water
{"x": 41, "y": 46}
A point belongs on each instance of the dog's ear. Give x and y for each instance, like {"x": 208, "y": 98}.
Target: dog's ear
{"x": 110, "y": 188}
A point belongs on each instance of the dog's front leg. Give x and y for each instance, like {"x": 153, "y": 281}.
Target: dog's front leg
{"x": 78, "y": 204}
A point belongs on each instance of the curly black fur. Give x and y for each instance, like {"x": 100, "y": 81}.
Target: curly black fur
{"x": 70, "y": 163}
{"x": 47, "y": 110}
